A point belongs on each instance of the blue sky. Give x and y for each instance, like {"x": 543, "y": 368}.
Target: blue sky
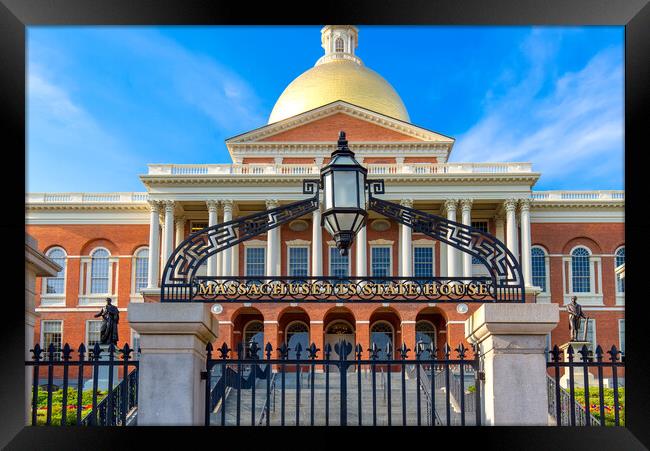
{"x": 103, "y": 102}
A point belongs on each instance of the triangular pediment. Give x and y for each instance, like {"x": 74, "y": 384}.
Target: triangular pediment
{"x": 324, "y": 123}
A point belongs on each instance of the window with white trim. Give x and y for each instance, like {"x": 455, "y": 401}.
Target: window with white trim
{"x": 141, "y": 271}
{"x": 339, "y": 264}
{"x": 580, "y": 270}
{"x": 620, "y": 259}
{"x": 380, "y": 261}
{"x": 423, "y": 262}
{"x": 621, "y": 336}
{"x": 298, "y": 261}
{"x": 52, "y": 334}
{"x": 93, "y": 333}
{"x": 56, "y": 285}
{"x": 483, "y": 227}
{"x": 99, "y": 272}
{"x": 538, "y": 267}
{"x": 255, "y": 261}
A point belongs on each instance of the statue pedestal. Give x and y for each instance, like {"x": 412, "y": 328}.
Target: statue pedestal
{"x": 578, "y": 371}
{"x": 103, "y": 371}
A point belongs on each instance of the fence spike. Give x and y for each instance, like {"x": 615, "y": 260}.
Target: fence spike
{"x": 584, "y": 353}
{"x": 223, "y": 351}
{"x": 555, "y": 353}
{"x": 37, "y": 351}
{"x": 268, "y": 349}
{"x": 404, "y": 351}
{"x": 254, "y": 349}
{"x": 328, "y": 351}
{"x": 447, "y": 351}
{"x": 613, "y": 352}
{"x": 81, "y": 351}
{"x": 359, "y": 351}
{"x": 312, "y": 350}
{"x": 599, "y": 354}
{"x": 283, "y": 350}
{"x": 373, "y": 351}
{"x": 570, "y": 353}
{"x": 66, "y": 352}
{"x": 240, "y": 350}
{"x": 298, "y": 350}
{"x": 461, "y": 350}
{"x": 97, "y": 351}
{"x": 126, "y": 352}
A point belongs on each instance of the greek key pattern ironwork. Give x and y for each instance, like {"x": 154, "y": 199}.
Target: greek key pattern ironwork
{"x": 491, "y": 252}
{"x": 191, "y": 253}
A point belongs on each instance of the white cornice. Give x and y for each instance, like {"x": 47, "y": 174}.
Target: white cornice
{"x": 334, "y": 108}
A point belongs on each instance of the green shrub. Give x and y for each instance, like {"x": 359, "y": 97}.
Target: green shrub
{"x": 471, "y": 389}
{"x": 57, "y": 404}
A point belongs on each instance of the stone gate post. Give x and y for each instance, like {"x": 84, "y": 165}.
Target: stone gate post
{"x": 512, "y": 339}
{"x": 173, "y": 337}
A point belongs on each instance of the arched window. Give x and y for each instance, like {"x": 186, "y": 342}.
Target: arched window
{"x": 580, "y": 270}
{"x": 620, "y": 259}
{"x": 254, "y": 332}
{"x": 381, "y": 334}
{"x": 338, "y": 45}
{"x": 56, "y": 285}
{"x": 99, "y": 272}
{"x": 297, "y": 332}
{"x": 340, "y": 328}
{"x": 141, "y": 263}
{"x": 425, "y": 338}
{"x": 538, "y": 265}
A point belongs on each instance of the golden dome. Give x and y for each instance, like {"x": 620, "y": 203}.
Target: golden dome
{"x": 340, "y": 75}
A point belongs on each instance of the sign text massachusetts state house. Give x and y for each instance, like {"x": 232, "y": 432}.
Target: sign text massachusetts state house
{"x": 116, "y": 244}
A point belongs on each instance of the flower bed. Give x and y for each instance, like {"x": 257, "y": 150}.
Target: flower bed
{"x": 608, "y": 398}
{"x": 57, "y": 404}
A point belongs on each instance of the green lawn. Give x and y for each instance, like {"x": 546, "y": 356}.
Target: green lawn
{"x": 57, "y": 401}
{"x": 608, "y": 398}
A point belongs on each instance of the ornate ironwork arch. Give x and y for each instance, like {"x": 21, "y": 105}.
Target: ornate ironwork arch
{"x": 184, "y": 262}
{"x": 502, "y": 265}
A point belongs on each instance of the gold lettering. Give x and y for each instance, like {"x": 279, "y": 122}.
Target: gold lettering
{"x": 206, "y": 289}
{"x": 445, "y": 289}
{"x": 472, "y": 289}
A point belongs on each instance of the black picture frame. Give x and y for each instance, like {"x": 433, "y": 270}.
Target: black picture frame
{"x": 15, "y": 15}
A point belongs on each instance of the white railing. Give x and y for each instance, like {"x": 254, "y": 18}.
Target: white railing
{"x": 578, "y": 195}
{"x": 85, "y": 198}
{"x": 308, "y": 169}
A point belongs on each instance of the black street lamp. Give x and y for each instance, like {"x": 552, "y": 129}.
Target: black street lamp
{"x": 344, "y": 190}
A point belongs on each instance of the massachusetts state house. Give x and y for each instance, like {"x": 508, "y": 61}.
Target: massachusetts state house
{"x": 116, "y": 244}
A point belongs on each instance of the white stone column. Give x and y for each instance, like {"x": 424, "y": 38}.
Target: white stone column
{"x": 235, "y": 260}
{"x": 168, "y": 238}
{"x": 500, "y": 227}
{"x": 510, "y": 206}
{"x": 180, "y": 230}
{"x": 173, "y": 338}
{"x": 273, "y": 246}
{"x": 226, "y": 267}
{"x": 526, "y": 259}
{"x": 450, "y": 207}
{"x": 466, "y": 213}
{"x": 212, "y": 220}
{"x": 316, "y": 244}
{"x": 154, "y": 245}
{"x": 406, "y": 239}
{"x": 362, "y": 259}
{"x": 512, "y": 340}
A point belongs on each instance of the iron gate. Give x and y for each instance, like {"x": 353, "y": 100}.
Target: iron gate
{"x": 346, "y": 389}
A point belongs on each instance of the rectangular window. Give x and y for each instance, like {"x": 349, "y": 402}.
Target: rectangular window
{"x": 423, "y": 262}
{"x": 141, "y": 271}
{"x": 298, "y": 261}
{"x": 621, "y": 336}
{"x": 255, "y": 261}
{"x": 93, "y": 333}
{"x": 339, "y": 265}
{"x": 52, "y": 333}
{"x": 483, "y": 227}
{"x": 380, "y": 259}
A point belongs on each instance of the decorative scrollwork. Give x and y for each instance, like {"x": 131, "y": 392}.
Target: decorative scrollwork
{"x": 375, "y": 186}
{"x": 311, "y": 186}
{"x": 491, "y": 252}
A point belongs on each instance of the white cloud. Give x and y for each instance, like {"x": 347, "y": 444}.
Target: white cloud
{"x": 572, "y": 131}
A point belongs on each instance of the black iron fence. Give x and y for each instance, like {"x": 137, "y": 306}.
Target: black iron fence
{"x": 341, "y": 388}
{"x": 579, "y": 397}
{"x": 101, "y": 390}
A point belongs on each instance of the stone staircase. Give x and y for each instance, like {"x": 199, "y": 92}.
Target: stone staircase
{"x": 321, "y": 396}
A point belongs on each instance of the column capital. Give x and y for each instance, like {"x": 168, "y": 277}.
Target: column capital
{"x": 227, "y": 205}
{"x": 154, "y": 206}
{"x": 408, "y": 203}
{"x": 450, "y": 204}
{"x": 510, "y": 205}
{"x": 169, "y": 205}
{"x": 272, "y": 203}
{"x": 524, "y": 204}
{"x": 466, "y": 204}
{"x": 212, "y": 205}
{"x": 179, "y": 220}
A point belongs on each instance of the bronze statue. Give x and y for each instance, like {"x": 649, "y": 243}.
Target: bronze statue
{"x": 111, "y": 318}
{"x": 575, "y": 313}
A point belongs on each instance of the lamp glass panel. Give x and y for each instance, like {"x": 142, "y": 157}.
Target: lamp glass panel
{"x": 329, "y": 201}
{"x": 345, "y": 183}
{"x": 346, "y": 220}
{"x": 362, "y": 191}
{"x": 344, "y": 159}
{"x": 330, "y": 225}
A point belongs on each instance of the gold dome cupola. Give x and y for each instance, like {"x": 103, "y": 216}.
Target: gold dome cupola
{"x": 339, "y": 75}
